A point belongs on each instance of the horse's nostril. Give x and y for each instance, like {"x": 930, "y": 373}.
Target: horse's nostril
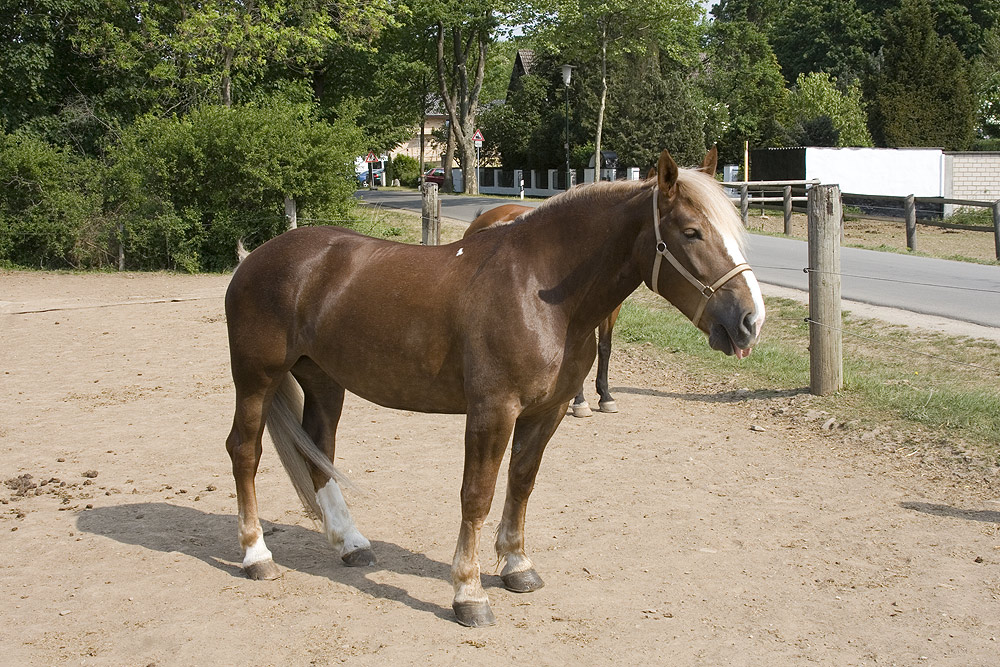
{"x": 747, "y": 326}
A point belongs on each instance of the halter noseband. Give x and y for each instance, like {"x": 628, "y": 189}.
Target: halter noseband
{"x": 706, "y": 291}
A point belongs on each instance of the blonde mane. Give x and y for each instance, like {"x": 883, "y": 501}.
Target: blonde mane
{"x": 702, "y": 190}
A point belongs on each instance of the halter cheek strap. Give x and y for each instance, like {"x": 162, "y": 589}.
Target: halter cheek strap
{"x": 706, "y": 291}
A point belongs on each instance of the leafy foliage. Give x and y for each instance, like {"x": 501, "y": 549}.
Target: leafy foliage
{"x": 921, "y": 94}
{"x": 407, "y": 170}
{"x": 50, "y": 206}
{"x": 190, "y": 187}
{"x": 816, "y": 96}
{"x": 745, "y": 80}
{"x": 831, "y": 36}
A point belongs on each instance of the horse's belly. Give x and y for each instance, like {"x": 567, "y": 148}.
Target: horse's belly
{"x": 401, "y": 370}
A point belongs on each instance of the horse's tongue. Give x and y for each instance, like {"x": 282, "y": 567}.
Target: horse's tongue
{"x": 743, "y": 353}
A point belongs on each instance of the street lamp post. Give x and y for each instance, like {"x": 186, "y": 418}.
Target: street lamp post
{"x": 567, "y": 73}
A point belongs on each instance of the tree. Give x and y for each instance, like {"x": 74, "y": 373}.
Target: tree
{"x": 613, "y": 29}
{"x": 920, "y": 91}
{"x": 666, "y": 114}
{"x": 200, "y": 49}
{"x": 987, "y": 81}
{"x": 831, "y": 36}
{"x": 509, "y": 125}
{"x": 744, "y": 81}
{"x": 817, "y": 96}
{"x": 761, "y": 13}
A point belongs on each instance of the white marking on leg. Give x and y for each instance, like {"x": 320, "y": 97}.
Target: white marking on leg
{"x": 465, "y": 573}
{"x": 337, "y": 522}
{"x": 509, "y": 549}
{"x": 459, "y": 253}
{"x": 256, "y": 553}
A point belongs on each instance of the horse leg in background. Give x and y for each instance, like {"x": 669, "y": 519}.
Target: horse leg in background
{"x": 487, "y": 430}
{"x": 321, "y": 410}
{"x": 607, "y": 402}
{"x": 580, "y": 407}
{"x": 244, "y": 447}
{"x": 531, "y": 434}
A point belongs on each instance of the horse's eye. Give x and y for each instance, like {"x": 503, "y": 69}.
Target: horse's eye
{"x": 692, "y": 233}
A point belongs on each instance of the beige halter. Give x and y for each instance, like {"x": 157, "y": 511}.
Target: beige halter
{"x": 661, "y": 252}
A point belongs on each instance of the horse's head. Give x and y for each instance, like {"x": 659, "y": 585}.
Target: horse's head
{"x": 699, "y": 263}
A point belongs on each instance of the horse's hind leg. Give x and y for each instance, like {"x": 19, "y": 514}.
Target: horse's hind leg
{"x": 607, "y": 402}
{"x": 531, "y": 434}
{"x": 321, "y": 411}
{"x": 244, "y": 449}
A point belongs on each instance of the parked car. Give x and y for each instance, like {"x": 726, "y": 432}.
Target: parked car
{"x": 363, "y": 175}
{"x": 434, "y": 175}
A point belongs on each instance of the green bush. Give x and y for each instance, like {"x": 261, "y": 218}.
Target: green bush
{"x": 188, "y": 188}
{"x": 50, "y": 206}
{"x": 407, "y": 170}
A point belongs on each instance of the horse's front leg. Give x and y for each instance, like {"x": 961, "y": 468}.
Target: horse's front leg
{"x": 531, "y": 434}
{"x": 487, "y": 430}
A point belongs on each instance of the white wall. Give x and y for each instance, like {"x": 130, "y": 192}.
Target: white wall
{"x": 879, "y": 171}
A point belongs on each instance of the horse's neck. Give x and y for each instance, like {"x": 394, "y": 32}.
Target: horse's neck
{"x": 588, "y": 249}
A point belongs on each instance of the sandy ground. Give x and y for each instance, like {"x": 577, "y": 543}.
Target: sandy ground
{"x": 701, "y": 525}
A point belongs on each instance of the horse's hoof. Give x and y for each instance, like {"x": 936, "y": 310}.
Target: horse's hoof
{"x": 581, "y": 410}
{"x": 474, "y": 614}
{"x": 359, "y": 558}
{"x": 608, "y": 406}
{"x": 262, "y": 570}
{"x": 522, "y": 582}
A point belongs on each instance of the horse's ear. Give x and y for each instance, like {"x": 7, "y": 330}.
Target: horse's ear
{"x": 711, "y": 161}
{"x": 666, "y": 174}
{"x": 651, "y": 173}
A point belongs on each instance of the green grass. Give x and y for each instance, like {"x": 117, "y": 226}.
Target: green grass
{"x": 888, "y": 380}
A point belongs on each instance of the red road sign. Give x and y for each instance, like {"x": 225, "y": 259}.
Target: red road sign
{"x": 371, "y": 157}
{"x": 478, "y": 136}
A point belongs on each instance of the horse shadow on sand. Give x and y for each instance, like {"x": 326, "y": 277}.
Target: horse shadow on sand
{"x": 734, "y": 396}
{"x": 937, "y": 509}
{"x": 211, "y": 538}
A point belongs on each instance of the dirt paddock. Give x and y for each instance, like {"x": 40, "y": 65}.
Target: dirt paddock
{"x": 692, "y": 528}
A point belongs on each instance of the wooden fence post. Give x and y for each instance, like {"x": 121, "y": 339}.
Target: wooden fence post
{"x": 291, "y": 214}
{"x": 826, "y": 352}
{"x": 744, "y": 203}
{"x": 430, "y": 214}
{"x": 121, "y": 244}
{"x": 787, "y": 202}
{"x": 996, "y": 227}
{"x": 910, "y": 211}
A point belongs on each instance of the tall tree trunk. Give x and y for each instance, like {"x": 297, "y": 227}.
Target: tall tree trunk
{"x": 423, "y": 127}
{"x": 462, "y": 101}
{"x": 226, "y": 88}
{"x": 604, "y": 97}
{"x": 449, "y": 159}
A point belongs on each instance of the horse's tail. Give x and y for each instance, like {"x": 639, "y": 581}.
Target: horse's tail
{"x": 295, "y": 447}
{"x": 241, "y": 251}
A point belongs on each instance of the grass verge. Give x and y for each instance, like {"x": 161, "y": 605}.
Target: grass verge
{"x": 926, "y": 385}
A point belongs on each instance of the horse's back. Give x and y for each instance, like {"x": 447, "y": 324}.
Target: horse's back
{"x": 353, "y": 303}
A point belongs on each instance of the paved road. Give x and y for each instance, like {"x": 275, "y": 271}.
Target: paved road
{"x": 953, "y": 290}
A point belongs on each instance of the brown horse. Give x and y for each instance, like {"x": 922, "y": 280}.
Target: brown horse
{"x": 507, "y": 213}
{"x": 499, "y": 326}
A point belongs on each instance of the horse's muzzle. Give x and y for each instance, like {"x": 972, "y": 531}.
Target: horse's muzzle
{"x": 736, "y": 336}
